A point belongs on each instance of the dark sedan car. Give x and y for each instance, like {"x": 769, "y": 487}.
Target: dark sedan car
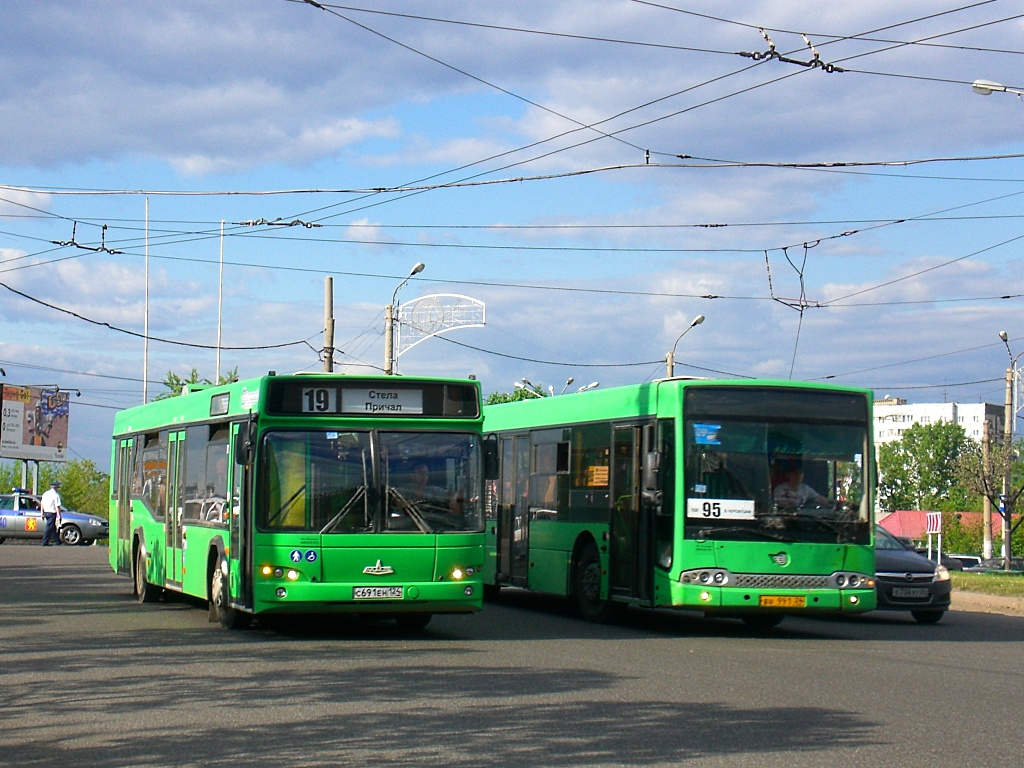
{"x": 21, "y": 518}
{"x": 908, "y": 581}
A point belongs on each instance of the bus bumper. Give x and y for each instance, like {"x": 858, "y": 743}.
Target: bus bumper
{"x": 733, "y": 600}
{"x": 318, "y": 597}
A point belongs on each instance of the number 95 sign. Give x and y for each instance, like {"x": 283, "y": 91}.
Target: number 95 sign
{"x": 720, "y": 509}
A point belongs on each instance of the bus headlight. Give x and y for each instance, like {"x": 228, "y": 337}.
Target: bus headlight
{"x": 717, "y": 577}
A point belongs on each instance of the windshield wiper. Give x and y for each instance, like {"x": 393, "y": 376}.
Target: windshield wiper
{"x": 838, "y": 527}
{"x": 710, "y": 533}
{"x": 411, "y": 509}
{"x": 285, "y": 508}
{"x": 360, "y": 493}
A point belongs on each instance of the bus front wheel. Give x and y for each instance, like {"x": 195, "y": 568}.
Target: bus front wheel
{"x": 220, "y": 602}
{"x": 144, "y": 591}
{"x": 588, "y": 586}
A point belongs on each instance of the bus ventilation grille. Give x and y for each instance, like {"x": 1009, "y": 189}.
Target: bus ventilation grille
{"x": 774, "y": 581}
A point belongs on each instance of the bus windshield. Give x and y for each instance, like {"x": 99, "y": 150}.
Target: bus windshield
{"x": 334, "y": 482}
{"x": 788, "y": 467}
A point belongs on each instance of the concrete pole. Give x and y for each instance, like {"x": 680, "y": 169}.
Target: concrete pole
{"x": 328, "y": 324}
{"x": 389, "y": 339}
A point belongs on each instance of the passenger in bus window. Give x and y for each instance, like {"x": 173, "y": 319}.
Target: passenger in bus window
{"x": 793, "y": 492}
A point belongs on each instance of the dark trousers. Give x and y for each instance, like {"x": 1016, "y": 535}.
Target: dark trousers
{"x": 51, "y": 531}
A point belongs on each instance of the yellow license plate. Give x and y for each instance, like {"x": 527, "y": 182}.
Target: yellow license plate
{"x": 783, "y": 601}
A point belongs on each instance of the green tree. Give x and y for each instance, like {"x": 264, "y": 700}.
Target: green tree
{"x": 176, "y": 383}
{"x": 983, "y": 474}
{"x": 517, "y": 394}
{"x": 919, "y": 470}
{"x": 84, "y": 487}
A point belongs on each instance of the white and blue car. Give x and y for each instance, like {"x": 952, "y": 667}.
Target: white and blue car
{"x": 21, "y": 517}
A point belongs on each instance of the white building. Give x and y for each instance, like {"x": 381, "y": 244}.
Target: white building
{"x": 894, "y": 415}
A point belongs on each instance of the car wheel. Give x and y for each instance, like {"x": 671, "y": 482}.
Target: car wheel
{"x": 220, "y": 606}
{"x": 927, "y": 617}
{"x": 588, "y": 587}
{"x": 71, "y": 535}
{"x": 413, "y": 621}
{"x": 144, "y": 591}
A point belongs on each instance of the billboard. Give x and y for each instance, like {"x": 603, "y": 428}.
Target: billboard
{"x": 34, "y": 423}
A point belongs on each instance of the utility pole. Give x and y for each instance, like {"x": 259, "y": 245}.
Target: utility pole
{"x": 1007, "y": 448}
{"x": 986, "y": 502}
{"x": 328, "y": 324}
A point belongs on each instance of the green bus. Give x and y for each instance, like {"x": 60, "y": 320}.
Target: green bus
{"x": 304, "y": 494}
{"x": 743, "y": 498}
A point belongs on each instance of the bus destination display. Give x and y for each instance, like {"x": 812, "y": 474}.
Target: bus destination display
{"x": 372, "y": 398}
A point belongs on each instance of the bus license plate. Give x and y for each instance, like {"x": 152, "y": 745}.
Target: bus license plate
{"x": 782, "y": 601}
{"x": 377, "y": 593}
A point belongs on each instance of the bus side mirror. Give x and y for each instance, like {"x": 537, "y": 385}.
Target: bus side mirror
{"x": 652, "y": 463}
{"x": 490, "y": 458}
{"x": 244, "y": 448}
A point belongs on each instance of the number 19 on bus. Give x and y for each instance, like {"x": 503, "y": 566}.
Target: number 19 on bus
{"x": 319, "y": 400}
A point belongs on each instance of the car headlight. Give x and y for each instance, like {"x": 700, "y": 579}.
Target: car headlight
{"x": 941, "y": 574}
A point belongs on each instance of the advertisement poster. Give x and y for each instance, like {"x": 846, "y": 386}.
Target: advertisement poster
{"x": 34, "y": 423}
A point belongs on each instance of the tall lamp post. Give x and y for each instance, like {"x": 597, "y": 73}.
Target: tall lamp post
{"x": 670, "y": 358}
{"x": 390, "y": 313}
{"x": 1009, "y": 416}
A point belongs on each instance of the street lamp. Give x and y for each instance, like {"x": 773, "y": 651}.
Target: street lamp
{"x": 670, "y": 359}
{"x": 389, "y": 322}
{"x": 591, "y": 385}
{"x": 568, "y": 381}
{"x": 526, "y": 389}
{"x": 987, "y": 88}
{"x": 1009, "y": 416}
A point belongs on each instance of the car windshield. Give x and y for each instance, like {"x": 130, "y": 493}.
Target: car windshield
{"x": 369, "y": 482}
{"x": 885, "y": 540}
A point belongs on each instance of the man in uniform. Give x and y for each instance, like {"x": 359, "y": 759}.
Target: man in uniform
{"x": 51, "y": 514}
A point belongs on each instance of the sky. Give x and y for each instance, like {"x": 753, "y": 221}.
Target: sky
{"x": 819, "y": 180}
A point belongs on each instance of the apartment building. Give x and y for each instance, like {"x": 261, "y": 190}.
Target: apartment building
{"x": 894, "y": 415}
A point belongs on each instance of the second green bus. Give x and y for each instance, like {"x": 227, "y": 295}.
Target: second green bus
{"x": 741, "y": 498}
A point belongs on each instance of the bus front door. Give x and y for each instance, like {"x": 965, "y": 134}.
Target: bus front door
{"x": 240, "y": 541}
{"x": 175, "y": 507}
{"x": 629, "y": 534}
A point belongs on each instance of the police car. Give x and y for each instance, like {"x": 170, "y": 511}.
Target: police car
{"x": 21, "y": 517}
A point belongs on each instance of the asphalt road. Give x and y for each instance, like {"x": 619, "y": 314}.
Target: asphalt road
{"x": 91, "y": 678}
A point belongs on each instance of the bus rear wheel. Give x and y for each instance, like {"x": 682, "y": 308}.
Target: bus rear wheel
{"x": 220, "y": 605}
{"x": 588, "y": 586}
{"x": 144, "y": 591}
